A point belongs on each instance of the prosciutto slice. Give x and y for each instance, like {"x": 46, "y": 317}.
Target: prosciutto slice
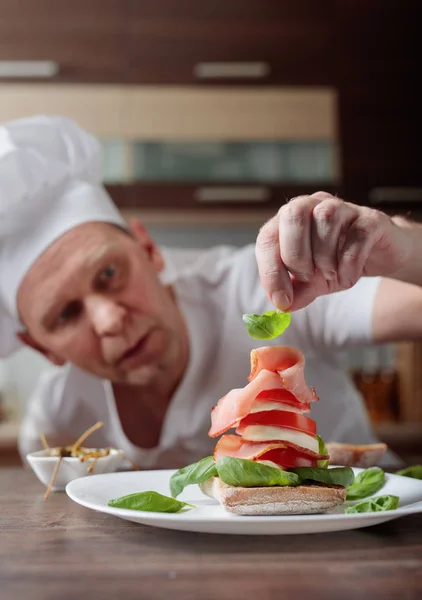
{"x": 272, "y": 368}
{"x": 238, "y": 402}
{"x": 289, "y": 363}
{"x": 236, "y": 447}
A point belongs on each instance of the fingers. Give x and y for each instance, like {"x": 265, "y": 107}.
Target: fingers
{"x": 294, "y": 230}
{"x": 330, "y": 219}
{"x": 361, "y": 236}
{"x": 273, "y": 274}
{"x": 315, "y": 245}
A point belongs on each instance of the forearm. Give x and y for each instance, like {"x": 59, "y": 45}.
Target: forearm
{"x": 411, "y": 271}
{"x": 397, "y": 312}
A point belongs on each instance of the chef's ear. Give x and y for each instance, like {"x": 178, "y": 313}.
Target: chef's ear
{"x": 26, "y": 339}
{"x": 143, "y": 237}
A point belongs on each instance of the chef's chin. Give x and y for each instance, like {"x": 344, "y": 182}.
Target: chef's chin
{"x": 143, "y": 376}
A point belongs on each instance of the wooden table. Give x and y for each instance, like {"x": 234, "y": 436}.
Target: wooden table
{"x": 57, "y": 549}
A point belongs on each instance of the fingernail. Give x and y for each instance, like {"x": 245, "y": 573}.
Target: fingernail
{"x": 280, "y": 300}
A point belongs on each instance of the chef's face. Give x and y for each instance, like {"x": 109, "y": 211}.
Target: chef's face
{"x": 94, "y": 299}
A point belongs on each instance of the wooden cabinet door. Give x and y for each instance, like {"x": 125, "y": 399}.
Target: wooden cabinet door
{"x": 62, "y": 40}
{"x": 262, "y": 42}
{"x": 379, "y": 101}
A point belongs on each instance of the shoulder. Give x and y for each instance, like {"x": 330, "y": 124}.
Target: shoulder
{"x": 214, "y": 268}
{"x": 180, "y": 263}
{"x": 65, "y": 390}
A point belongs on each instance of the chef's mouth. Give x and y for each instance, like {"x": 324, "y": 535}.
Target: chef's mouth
{"x": 136, "y": 352}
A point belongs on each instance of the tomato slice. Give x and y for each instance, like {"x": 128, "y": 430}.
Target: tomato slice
{"x": 284, "y": 397}
{"x": 289, "y": 458}
{"x": 279, "y": 418}
{"x": 280, "y": 395}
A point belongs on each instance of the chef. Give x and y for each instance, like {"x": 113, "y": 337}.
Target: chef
{"x": 148, "y": 343}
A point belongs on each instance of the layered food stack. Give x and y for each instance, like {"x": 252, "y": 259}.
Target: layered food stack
{"x": 269, "y": 414}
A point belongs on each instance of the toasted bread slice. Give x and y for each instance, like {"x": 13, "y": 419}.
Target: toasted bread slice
{"x": 288, "y": 500}
{"x": 349, "y": 455}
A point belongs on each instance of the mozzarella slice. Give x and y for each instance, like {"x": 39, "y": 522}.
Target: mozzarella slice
{"x": 259, "y": 406}
{"x": 263, "y": 433}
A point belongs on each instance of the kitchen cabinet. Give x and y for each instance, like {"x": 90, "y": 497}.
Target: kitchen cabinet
{"x": 379, "y": 103}
{"x": 57, "y": 40}
{"x": 196, "y": 147}
{"x": 167, "y": 42}
{"x": 168, "y": 53}
{"x": 267, "y": 42}
{"x": 201, "y": 196}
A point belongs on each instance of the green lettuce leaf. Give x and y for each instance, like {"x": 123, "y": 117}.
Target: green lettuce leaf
{"x": 335, "y": 476}
{"x": 366, "y": 483}
{"x": 322, "y": 449}
{"x": 377, "y": 504}
{"x": 267, "y": 326}
{"x": 195, "y": 473}
{"x": 149, "y": 501}
{"x": 414, "y": 471}
{"x": 242, "y": 472}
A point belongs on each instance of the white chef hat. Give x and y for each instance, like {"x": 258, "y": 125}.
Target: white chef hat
{"x": 50, "y": 181}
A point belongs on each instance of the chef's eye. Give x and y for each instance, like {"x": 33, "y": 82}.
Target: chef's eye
{"x": 70, "y": 312}
{"x": 107, "y": 275}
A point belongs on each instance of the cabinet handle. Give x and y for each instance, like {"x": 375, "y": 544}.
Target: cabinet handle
{"x": 45, "y": 69}
{"x": 380, "y": 195}
{"x": 232, "y": 194}
{"x": 231, "y": 70}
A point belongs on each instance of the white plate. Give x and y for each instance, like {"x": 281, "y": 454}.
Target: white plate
{"x": 209, "y": 517}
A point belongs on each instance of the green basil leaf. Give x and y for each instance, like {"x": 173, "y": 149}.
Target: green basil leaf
{"x": 366, "y": 483}
{"x": 378, "y": 504}
{"x": 241, "y": 472}
{"x": 415, "y": 472}
{"x": 195, "y": 473}
{"x": 150, "y": 501}
{"x": 267, "y": 326}
{"x": 335, "y": 476}
{"x": 322, "y": 449}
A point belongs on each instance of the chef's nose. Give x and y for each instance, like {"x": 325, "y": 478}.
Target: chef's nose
{"x": 107, "y": 317}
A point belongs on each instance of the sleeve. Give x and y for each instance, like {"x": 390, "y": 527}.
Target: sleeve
{"x": 344, "y": 318}
{"x": 332, "y": 321}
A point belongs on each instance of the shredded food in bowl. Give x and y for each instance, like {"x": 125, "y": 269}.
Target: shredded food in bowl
{"x": 76, "y": 450}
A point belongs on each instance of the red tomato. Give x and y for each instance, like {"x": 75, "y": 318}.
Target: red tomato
{"x": 283, "y": 396}
{"x": 279, "y": 418}
{"x": 289, "y": 458}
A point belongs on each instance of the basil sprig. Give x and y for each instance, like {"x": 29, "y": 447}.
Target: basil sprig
{"x": 195, "y": 473}
{"x": 322, "y": 449}
{"x": 241, "y": 472}
{"x": 149, "y": 501}
{"x": 268, "y": 325}
{"x": 336, "y": 476}
{"x": 377, "y": 504}
{"x": 414, "y": 471}
{"x": 366, "y": 483}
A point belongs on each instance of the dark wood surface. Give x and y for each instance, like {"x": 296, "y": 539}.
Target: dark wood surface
{"x": 57, "y": 549}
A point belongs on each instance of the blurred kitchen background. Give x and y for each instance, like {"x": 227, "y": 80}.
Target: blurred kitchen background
{"x": 213, "y": 114}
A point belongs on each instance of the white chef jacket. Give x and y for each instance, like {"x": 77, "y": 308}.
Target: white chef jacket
{"x": 213, "y": 289}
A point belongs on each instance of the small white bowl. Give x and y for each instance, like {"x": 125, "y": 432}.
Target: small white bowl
{"x": 71, "y": 467}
